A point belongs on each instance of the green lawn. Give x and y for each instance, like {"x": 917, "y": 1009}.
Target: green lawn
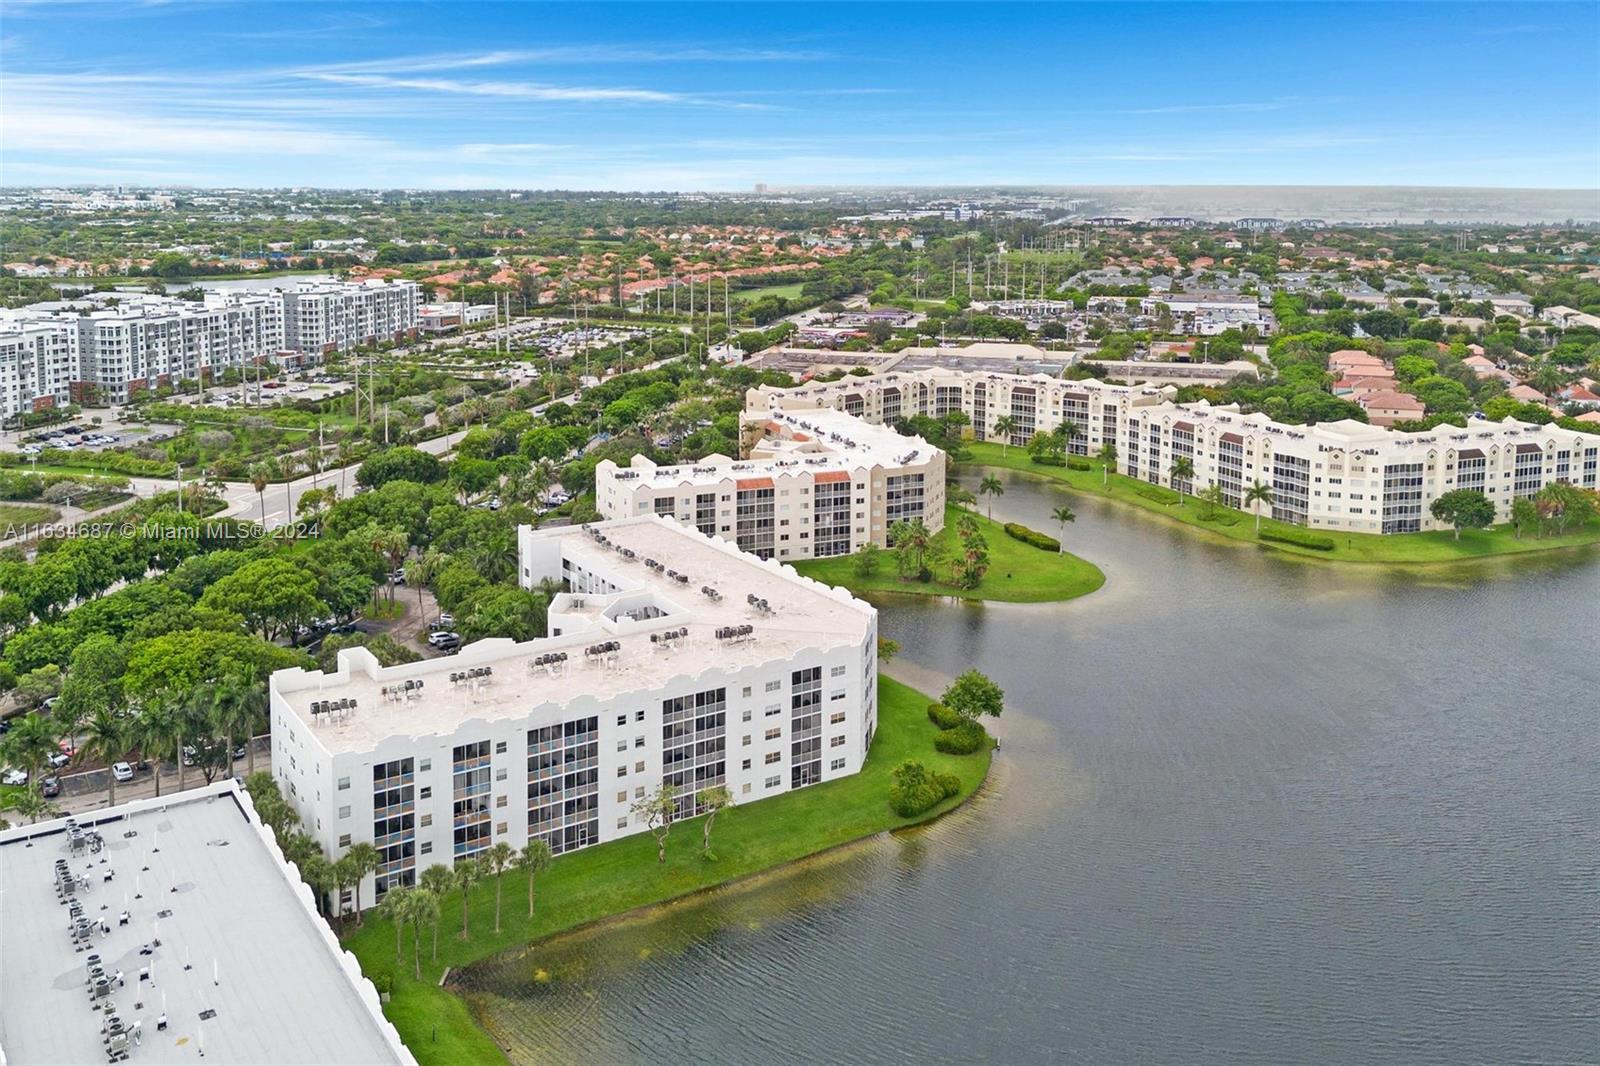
{"x": 788, "y": 292}
{"x": 1431, "y": 547}
{"x": 614, "y": 878}
{"x": 1018, "y": 572}
{"x": 27, "y": 514}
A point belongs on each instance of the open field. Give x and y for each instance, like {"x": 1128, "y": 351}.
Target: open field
{"x": 1398, "y": 548}
{"x": 1018, "y": 572}
{"x": 614, "y": 878}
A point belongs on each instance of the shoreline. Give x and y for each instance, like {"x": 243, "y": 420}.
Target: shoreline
{"x": 621, "y": 879}
{"x": 1426, "y": 549}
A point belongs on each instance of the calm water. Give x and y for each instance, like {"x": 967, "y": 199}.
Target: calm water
{"x": 1247, "y": 809}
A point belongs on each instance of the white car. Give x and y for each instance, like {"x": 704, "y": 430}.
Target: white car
{"x": 14, "y": 777}
{"x": 122, "y": 772}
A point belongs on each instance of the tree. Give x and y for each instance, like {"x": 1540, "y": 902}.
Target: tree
{"x": 420, "y": 907}
{"x": 468, "y": 871}
{"x": 973, "y": 695}
{"x": 272, "y": 595}
{"x": 394, "y": 906}
{"x": 437, "y": 879}
{"x": 363, "y": 859}
{"x": 400, "y": 464}
{"x": 1463, "y": 509}
{"x": 239, "y": 707}
{"x": 534, "y": 858}
{"x": 1181, "y": 472}
{"x": 657, "y": 809}
{"x": 910, "y": 540}
{"x": 1004, "y": 427}
{"x": 105, "y": 739}
{"x": 31, "y": 742}
{"x": 260, "y": 477}
{"x": 960, "y": 496}
{"x": 1525, "y": 513}
{"x": 30, "y": 803}
{"x": 1211, "y": 498}
{"x": 990, "y": 486}
{"x": 157, "y": 732}
{"x": 1063, "y": 515}
{"x": 1565, "y": 504}
{"x": 712, "y": 801}
{"x": 496, "y": 861}
{"x": 1108, "y": 459}
{"x": 1256, "y": 495}
{"x": 866, "y": 559}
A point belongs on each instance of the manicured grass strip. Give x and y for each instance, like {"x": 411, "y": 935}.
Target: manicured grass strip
{"x": 1018, "y": 572}
{"x": 614, "y": 878}
{"x": 27, "y": 514}
{"x": 1431, "y": 547}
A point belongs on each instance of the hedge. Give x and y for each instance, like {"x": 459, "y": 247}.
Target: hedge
{"x": 1301, "y": 540}
{"x": 1039, "y": 540}
{"x": 1079, "y": 464}
{"x": 943, "y": 717}
{"x": 1049, "y": 460}
{"x": 964, "y": 739}
{"x": 1159, "y": 494}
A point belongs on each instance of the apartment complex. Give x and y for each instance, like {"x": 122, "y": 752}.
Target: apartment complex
{"x": 672, "y": 658}
{"x": 817, "y": 483}
{"x": 1343, "y": 475}
{"x": 114, "y": 345}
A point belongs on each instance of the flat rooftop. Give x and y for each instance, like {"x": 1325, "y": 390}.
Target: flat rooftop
{"x": 804, "y": 615}
{"x": 244, "y": 970}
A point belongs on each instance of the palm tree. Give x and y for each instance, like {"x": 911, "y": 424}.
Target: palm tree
{"x": 105, "y": 739}
{"x": 534, "y": 858}
{"x": 1063, "y": 515}
{"x": 910, "y": 540}
{"x": 394, "y": 906}
{"x": 1258, "y": 494}
{"x": 423, "y": 569}
{"x": 1004, "y": 426}
{"x": 959, "y": 496}
{"x": 436, "y": 880}
{"x": 31, "y": 742}
{"x": 156, "y": 731}
{"x": 316, "y": 871}
{"x": 260, "y": 477}
{"x": 1180, "y": 473}
{"x": 1108, "y": 459}
{"x": 238, "y": 706}
{"x": 496, "y": 861}
{"x": 990, "y": 486}
{"x": 30, "y": 803}
{"x": 1067, "y": 433}
{"x": 420, "y": 907}
{"x": 363, "y": 859}
{"x": 467, "y": 873}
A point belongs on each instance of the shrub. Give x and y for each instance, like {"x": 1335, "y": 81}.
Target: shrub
{"x": 1314, "y": 541}
{"x": 964, "y": 739}
{"x": 1049, "y": 460}
{"x": 1039, "y": 540}
{"x": 1159, "y": 494}
{"x": 1079, "y": 464}
{"x": 943, "y": 717}
{"x": 916, "y": 790}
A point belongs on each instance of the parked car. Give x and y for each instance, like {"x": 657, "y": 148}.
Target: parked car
{"x": 398, "y": 577}
{"x": 58, "y": 759}
{"x": 238, "y": 752}
{"x": 122, "y": 772}
{"x": 50, "y": 787}
{"x": 445, "y": 641}
{"x": 14, "y": 777}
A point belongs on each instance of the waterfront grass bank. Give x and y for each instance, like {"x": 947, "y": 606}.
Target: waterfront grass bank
{"x": 614, "y": 878}
{"x": 1439, "y": 546}
{"x": 1018, "y": 572}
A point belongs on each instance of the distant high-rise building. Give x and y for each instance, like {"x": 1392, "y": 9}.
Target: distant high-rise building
{"x": 761, "y": 188}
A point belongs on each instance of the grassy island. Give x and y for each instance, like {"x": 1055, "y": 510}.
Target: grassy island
{"x": 1396, "y": 548}
{"x": 610, "y": 879}
{"x": 1018, "y": 572}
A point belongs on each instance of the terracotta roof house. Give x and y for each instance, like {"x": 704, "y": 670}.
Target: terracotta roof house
{"x": 1385, "y": 407}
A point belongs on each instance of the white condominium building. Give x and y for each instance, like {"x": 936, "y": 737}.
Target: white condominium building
{"x": 1343, "y": 475}
{"x": 817, "y": 483}
{"x": 673, "y": 658}
{"x": 114, "y": 345}
{"x": 333, "y": 316}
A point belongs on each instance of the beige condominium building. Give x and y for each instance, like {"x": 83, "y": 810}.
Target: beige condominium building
{"x": 816, "y": 483}
{"x": 1344, "y": 475}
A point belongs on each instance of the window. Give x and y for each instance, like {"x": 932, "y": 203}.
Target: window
{"x": 622, "y": 745}
{"x": 773, "y": 686}
{"x": 747, "y": 692}
{"x": 774, "y": 756}
{"x": 745, "y": 765}
{"x": 344, "y": 840}
{"x": 775, "y": 733}
{"x": 622, "y": 823}
{"x": 500, "y": 774}
{"x": 424, "y": 766}
{"x": 638, "y": 716}
{"x": 744, "y": 789}
{"x": 836, "y": 718}
{"x": 425, "y": 792}
{"x": 344, "y": 783}
{"x": 427, "y": 820}
{"x": 500, "y": 801}
{"x": 746, "y": 716}
{"x": 836, "y": 742}
{"x": 500, "y": 747}
{"x": 638, "y": 793}
{"x": 837, "y": 671}
{"x": 344, "y": 812}
{"x": 745, "y": 741}
{"x": 622, "y": 771}
{"x": 500, "y": 829}
{"x": 638, "y": 742}
{"x": 773, "y": 782}
{"x": 427, "y": 847}
{"x": 622, "y": 719}
{"x": 838, "y": 695}
{"x": 837, "y": 764}
{"x": 638, "y": 767}
{"x": 622, "y": 797}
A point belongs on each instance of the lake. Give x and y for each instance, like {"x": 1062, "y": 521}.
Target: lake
{"x": 1247, "y": 809}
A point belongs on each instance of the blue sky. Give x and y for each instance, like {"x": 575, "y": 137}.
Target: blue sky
{"x": 683, "y": 96}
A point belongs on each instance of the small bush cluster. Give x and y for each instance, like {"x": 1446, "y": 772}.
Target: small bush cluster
{"x": 1314, "y": 541}
{"x": 1159, "y": 494}
{"x": 962, "y": 739}
{"x": 1032, "y": 536}
{"x": 916, "y": 790}
{"x": 1079, "y": 464}
{"x": 1050, "y": 460}
{"x": 942, "y": 716}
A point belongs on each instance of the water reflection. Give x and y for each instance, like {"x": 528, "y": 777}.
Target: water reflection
{"x": 1248, "y": 808}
